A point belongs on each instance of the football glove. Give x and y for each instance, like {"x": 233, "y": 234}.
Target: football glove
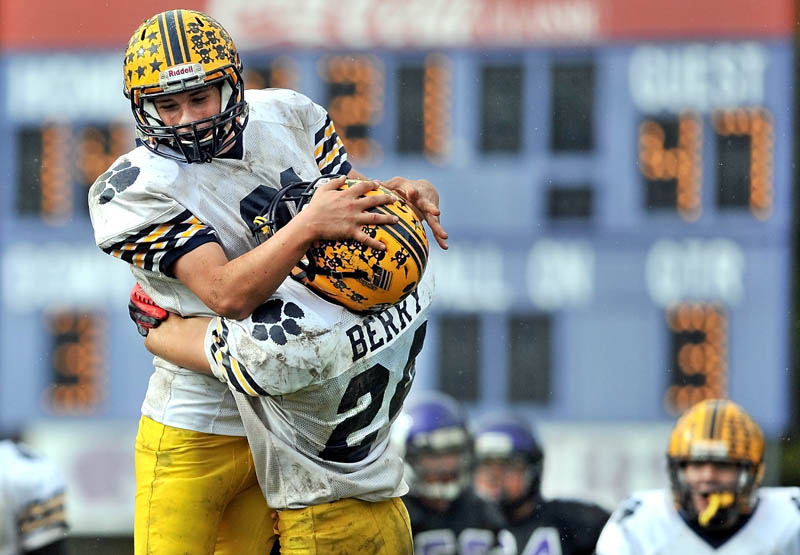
{"x": 144, "y": 312}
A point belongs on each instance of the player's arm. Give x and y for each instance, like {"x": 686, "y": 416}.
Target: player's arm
{"x": 235, "y": 288}
{"x": 423, "y": 198}
{"x": 180, "y": 341}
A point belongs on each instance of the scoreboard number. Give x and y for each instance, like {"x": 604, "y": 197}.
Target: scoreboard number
{"x": 698, "y": 359}
{"x": 671, "y": 159}
{"x": 57, "y": 163}
{"x": 744, "y": 140}
{"x": 355, "y": 102}
{"x": 423, "y": 108}
{"x": 78, "y": 362}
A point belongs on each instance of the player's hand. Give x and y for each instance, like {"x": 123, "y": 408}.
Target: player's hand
{"x": 144, "y": 312}
{"x": 341, "y": 214}
{"x": 424, "y": 199}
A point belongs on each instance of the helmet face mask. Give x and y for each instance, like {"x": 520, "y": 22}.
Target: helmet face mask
{"x": 715, "y": 461}
{"x": 349, "y": 273}
{"x": 178, "y": 51}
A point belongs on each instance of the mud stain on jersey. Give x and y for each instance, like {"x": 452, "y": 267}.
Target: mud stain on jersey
{"x": 159, "y": 389}
{"x": 250, "y": 352}
{"x": 304, "y": 484}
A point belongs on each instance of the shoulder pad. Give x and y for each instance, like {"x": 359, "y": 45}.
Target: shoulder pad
{"x": 284, "y": 106}
{"x": 127, "y": 196}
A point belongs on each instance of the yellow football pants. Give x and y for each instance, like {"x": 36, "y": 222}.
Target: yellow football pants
{"x": 197, "y": 494}
{"x": 347, "y": 527}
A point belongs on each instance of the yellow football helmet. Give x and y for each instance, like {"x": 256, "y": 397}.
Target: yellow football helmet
{"x": 349, "y": 273}
{"x": 717, "y": 430}
{"x": 176, "y": 51}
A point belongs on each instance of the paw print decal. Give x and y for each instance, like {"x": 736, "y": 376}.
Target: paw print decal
{"x": 117, "y": 179}
{"x": 275, "y": 318}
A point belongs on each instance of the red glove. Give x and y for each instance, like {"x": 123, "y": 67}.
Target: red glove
{"x": 144, "y": 312}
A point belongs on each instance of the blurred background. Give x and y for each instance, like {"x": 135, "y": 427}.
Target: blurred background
{"x": 617, "y": 182}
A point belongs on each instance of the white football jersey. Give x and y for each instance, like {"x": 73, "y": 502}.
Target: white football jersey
{"x": 318, "y": 388}
{"x": 31, "y": 500}
{"x": 148, "y": 211}
{"x": 648, "y": 524}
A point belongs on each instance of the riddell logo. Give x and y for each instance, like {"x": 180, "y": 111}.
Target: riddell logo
{"x": 184, "y": 70}
{"x": 179, "y": 77}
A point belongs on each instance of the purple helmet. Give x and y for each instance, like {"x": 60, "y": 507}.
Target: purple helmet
{"x": 437, "y": 447}
{"x": 509, "y": 438}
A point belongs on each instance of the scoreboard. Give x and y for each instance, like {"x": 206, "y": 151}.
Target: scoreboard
{"x": 619, "y": 211}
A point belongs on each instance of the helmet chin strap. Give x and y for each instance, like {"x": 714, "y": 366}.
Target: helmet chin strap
{"x": 225, "y": 92}
{"x": 716, "y": 501}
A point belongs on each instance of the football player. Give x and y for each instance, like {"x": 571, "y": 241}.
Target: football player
{"x": 509, "y": 473}
{"x": 715, "y": 504}
{"x": 182, "y": 209}
{"x": 446, "y": 516}
{"x": 32, "y": 518}
{"x": 318, "y": 387}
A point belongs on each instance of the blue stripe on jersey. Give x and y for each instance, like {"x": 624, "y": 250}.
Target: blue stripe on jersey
{"x": 334, "y": 167}
{"x": 147, "y": 248}
{"x": 224, "y": 359}
{"x": 250, "y": 381}
{"x": 170, "y": 257}
{"x": 233, "y": 379}
{"x": 328, "y": 146}
{"x": 332, "y": 144}
{"x": 43, "y": 514}
{"x": 319, "y": 135}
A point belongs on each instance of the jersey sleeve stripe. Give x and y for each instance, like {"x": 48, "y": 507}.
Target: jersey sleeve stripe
{"x": 235, "y": 372}
{"x": 148, "y": 248}
{"x": 331, "y": 144}
{"x": 338, "y": 165}
{"x": 42, "y": 514}
{"x": 323, "y": 133}
{"x": 171, "y": 255}
{"x": 329, "y": 150}
{"x": 333, "y": 153}
{"x": 250, "y": 382}
{"x": 240, "y": 379}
